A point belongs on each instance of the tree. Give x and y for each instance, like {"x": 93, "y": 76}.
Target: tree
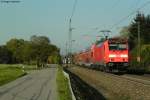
{"x": 39, "y": 39}
{"x": 42, "y": 49}
{"x": 142, "y": 23}
{"x": 27, "y": 52}
{"x": 5, "y": 55}
{"x": 125, "y": 32}
{"x": 36, "y": 51}
{"x": 144, "y": 30}
{"x": 16, "y": 47}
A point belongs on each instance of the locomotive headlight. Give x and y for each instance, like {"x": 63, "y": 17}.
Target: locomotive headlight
{"x": 112, "y": 55}
{"x": 124, "y": 56}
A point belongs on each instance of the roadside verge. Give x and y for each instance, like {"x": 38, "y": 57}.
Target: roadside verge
{"x": 8, "y": 74}
{"x": 63, "y": 89}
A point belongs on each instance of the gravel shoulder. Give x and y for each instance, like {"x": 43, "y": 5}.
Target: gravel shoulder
{"x": 113, "y": 87}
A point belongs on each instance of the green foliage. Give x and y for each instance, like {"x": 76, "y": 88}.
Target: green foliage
{"x": 144, "y": 22}
{"x": 63, "y": 86}
{"x": 145, "y": 55}
{"x": 144, "y": 64}
{"x": 55, "y": 58}
{"x": 131, "y": 31}
{"x": 39, "y": 39}
{"x": 16, "y": 47}
{"x": 42, "y": 49}
{"x": 125, "y": 32}
{"x": 36, "y": 51}
{"x": 5, "y": 55}
{"x": 27, "y": 53}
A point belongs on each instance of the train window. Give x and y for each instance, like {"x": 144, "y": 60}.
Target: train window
{"x": 91, "y": 54}
{"x": 117, "y": 46}
{"x": 112, "y": 46}
{"x": 122, "y": 46}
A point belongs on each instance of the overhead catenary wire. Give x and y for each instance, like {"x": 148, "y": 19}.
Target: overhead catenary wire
{"x": 115, "y": 4}
{"x": 74, "y": 8}
{"x": 135, "y": 4}
{"x": 133, "y": 12}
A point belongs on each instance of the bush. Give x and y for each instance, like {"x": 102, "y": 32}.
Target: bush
{"x": 144, "y": 64}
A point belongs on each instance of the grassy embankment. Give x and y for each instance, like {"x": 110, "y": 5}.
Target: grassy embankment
{"x": 9, "y": 73}
{"x": 62, "y": 86}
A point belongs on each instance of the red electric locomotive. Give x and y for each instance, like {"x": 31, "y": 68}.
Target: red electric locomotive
{"x": 109, "y": 55}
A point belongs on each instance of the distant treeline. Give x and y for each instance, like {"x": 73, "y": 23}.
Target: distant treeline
{"x": 141, "y": 24}
{"x": 38, "y": 50}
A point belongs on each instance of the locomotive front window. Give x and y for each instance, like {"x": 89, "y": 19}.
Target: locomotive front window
{"x": 112, "y": 46}
{"x": 117, "y": 46}
{"x": 122, "y": 46}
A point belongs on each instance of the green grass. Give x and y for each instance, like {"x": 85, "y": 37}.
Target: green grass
{"x": 9, "y": 73}
{"x": 26, "y": 67}
{"x": 30, "y": 67}
{"x": 62, "y": 86}
{"x": 9, "y": 65}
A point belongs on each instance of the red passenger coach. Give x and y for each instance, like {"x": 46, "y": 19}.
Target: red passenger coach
{"x": 110, "y": 55}
{"x": 82, "y": 58}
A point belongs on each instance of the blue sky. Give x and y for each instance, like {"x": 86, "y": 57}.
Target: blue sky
{"x": 51, "y": 17}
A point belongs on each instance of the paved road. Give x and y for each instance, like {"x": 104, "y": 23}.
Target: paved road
{"x": 38, "y": 85}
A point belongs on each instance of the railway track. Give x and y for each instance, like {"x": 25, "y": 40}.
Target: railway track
{"x": 130, "y": 78}
{"x": 135, "y": 87}
{"x": 142, "y": 79}
{"x": 138, "y": 80}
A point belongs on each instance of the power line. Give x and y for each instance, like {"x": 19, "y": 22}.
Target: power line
{"x": 74, "y": 8}
{"x": 115, "y": 4}
{"x": 135, "y": 4}
{"x": 124, "y": 18}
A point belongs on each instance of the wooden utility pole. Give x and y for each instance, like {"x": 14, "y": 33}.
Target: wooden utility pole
{"x": 139, "y": 43}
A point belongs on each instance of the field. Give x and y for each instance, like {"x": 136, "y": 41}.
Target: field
{"x": 9, "y": 73}
{"x": 62, "y": 86}
{"x": 25, "y": 67}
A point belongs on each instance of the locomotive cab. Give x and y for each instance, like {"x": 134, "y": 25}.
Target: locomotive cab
{"x": 117, "y": 54}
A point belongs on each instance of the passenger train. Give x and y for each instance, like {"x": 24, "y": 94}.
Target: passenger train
{"x": 111, "y": 55}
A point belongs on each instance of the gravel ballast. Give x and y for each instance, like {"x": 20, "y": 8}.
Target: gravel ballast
{"x": 113, "y": 87}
